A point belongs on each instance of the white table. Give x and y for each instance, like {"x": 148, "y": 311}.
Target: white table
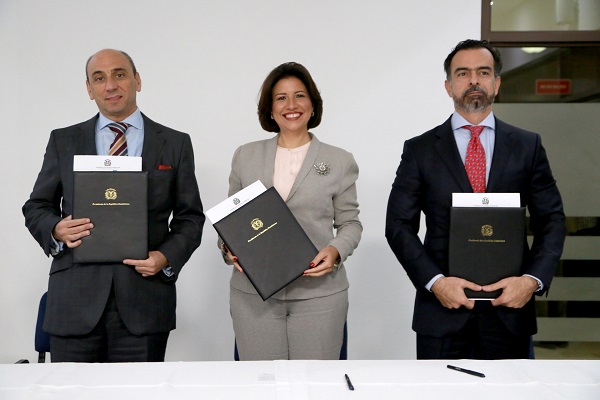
{"x": 299, "y": 380}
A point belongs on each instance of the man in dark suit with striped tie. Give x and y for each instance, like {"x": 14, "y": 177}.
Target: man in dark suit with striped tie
{"x": 115, "y": 312}
{"x": 473, "y": 151}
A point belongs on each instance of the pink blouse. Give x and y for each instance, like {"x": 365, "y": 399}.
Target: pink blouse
{"x": 287, "y": 165}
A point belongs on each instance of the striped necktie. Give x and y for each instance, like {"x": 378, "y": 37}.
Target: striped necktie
{"x": 119, "y": 145}
{"x": 475, "y": 159}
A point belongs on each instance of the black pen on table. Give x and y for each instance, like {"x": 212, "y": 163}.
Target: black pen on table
{"x": 467, "y": 371}
{"x": 350, "y": 386}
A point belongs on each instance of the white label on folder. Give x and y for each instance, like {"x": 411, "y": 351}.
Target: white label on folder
{"x": 107, "y": 163}
{"x": 234, "y": 202}
{"x": 486, "y": 200}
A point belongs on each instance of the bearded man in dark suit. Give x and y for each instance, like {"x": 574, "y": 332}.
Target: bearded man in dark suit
{"x": 115, "y": 312}
{"x": 448, "y": 324}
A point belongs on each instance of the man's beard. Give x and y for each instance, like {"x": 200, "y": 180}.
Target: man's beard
{"x": 470, "y": 104}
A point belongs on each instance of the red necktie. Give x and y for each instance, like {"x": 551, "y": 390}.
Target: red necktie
{"x": 119, "y": 145}
{"x": 475, "y": 160}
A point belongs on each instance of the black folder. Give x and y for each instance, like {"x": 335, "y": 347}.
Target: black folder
{"x": 271, "y": 246}
{"x": 117, "y": 205}
{"x": 486, "y": 245}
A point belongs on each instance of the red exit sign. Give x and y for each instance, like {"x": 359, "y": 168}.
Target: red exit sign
{"x": 553, "y": 86}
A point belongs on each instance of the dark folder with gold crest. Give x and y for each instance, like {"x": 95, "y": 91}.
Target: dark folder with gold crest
{"x": 271, "y": 246}
{"x": 486, "y": 245}
{"x": 117, "y": 205}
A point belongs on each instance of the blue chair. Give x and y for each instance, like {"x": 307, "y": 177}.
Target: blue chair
{"x": 531, "y": 349}
{"x": 42, "y": 338}
{"x": 343, "y": 351}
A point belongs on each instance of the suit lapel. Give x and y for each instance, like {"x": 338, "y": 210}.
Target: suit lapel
{"x": 307, "y": 165}
{"x": 86, "y": 140}
{"x": 269, "y": 162}
{"x": 153, "y": 144}
{"x": 448, "y": 152}
{"x": 503, "y": 145}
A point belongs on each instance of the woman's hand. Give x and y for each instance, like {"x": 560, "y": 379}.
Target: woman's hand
{"x": 324, "y": 262}
{"x": 233, "y": 258}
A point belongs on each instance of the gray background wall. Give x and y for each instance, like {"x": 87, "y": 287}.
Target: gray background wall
{"x": 378, "y": 65}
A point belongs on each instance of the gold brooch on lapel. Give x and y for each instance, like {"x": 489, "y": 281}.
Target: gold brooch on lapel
{"x": 322, "y": 168}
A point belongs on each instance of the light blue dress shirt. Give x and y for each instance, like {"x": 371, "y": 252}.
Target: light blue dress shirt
{"x": 487, "y": 138}
{"x": 134, "y": 134}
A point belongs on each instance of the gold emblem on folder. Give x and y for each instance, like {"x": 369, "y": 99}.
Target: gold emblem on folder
{"x": 256, "y": 224}
{"x": 487, "y": 230}
{"x": 110, "y": 194}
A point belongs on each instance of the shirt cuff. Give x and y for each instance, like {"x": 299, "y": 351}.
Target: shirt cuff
{"x": 55, "y": 246}
{"x": 168, "y": 271}
{"x": 432, "y": 281}
{"x": 540, "y": 284}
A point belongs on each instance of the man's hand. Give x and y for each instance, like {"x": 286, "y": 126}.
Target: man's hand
{"x": 450, "y": 291}
{"x": 70, "y": 231}
{"x": 516, "y": 291}
{"x": 155, "y": 262}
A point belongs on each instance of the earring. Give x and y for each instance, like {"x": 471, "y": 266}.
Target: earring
{"x": 272, "y": 116}
{"x": 313, "y": 114}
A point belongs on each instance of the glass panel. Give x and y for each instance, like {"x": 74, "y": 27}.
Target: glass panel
{"x": 550, "y": 75}
{"x": 545, "y": 15}
{"x": 579, "y": 226}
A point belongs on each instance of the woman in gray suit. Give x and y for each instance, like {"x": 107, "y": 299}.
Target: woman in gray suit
{"x": 304, "y": 320}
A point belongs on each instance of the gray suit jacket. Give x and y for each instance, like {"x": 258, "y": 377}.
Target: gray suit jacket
{"x": 320, "y": 203}
{"x": 77, "y": 293}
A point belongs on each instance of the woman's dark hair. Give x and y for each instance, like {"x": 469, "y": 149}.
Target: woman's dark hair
{"x": 474, "y": 44}
{"x": 265, "y": 102}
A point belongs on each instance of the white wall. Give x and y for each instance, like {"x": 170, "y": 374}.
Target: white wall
{"x": 378, "y": 65}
